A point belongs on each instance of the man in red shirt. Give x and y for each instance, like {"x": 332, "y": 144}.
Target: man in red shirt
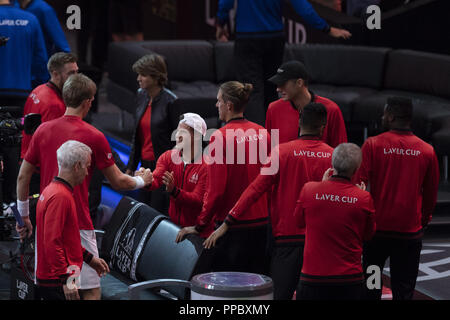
{"x": 403, "y": 173}
{"x": 78, "y": 94}
{"x": 338, "y": 217}
{"x": 58, "y": 249}
{"x": 302, "y": 160}
{"x": 232, "y": 166}
{"x": 183, "y": 172}
{"x": 292, "y": 83}
{"x": 46, "y": 99}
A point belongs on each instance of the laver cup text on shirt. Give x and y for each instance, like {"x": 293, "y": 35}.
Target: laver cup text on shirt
{"x": 338, "y": 217}
{"x": 335, "y": 198}
{"x": 311, "y": 154}
{"x": 401, "y": 152}
{"x": 295, "y": 160}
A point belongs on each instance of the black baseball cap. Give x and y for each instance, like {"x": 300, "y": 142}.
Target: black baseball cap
{"x": 290, "y": 70}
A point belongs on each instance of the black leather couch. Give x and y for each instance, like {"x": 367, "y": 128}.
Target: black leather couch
{"x": 359, "y": 79}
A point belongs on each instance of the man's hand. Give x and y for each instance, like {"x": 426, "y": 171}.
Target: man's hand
{"x": 27, "y": 230}
{"x": 71, "y": 294}
{"x": 184, "y": 232}
{"x": 169, "y": 180}
{"x": 222, "y": 34}
{"x": 339, "y": 33}
{"x": 145, "y": 174}
{"x": 212, "y": 239}
{"x": 362, "y": 186}
{"x": 327, "y": 175}
{"x": 100, "y": 266}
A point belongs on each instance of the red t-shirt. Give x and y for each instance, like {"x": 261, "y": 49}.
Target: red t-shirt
{"x": 302, "y": 160}
{"x": 403, "y": 173}
{"x": 338, "y": 217}
{"x": 282, "y": 115}
{"x": 145, "y": 135}
{"x": 42, "y": 152}
{"x": 229, "y": 179}
{"x": 58, "y": 243}
{"x": 46, "y": 100}
{"x": 190, "y": 182}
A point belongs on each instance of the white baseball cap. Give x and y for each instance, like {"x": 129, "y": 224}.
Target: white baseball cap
{"x": 194, "y": 121}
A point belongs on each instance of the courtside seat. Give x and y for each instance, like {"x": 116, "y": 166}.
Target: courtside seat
{"x": 139, "y": 246}
{"x": 120, "y": 243}
{"x": 168, "y": 265}
{"x": 427, "y": 116}
{"x": 345, "y": 97}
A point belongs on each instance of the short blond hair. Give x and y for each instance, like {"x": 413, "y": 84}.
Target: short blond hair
{"x": 78, "y": 88}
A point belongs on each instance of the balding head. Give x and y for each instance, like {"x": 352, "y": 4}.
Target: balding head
{"x": 346, "y": 159}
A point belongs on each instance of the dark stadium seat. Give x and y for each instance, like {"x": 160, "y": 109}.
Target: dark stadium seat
{"x": 162, "y": 258}
{"x": 139, "y": 245}
{"x": 424, "y": 77}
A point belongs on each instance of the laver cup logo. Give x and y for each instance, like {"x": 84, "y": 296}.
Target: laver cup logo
{"x": 123, "y": 252}
{"x": 401, "y": 152}
{"x": 129, "y": 240}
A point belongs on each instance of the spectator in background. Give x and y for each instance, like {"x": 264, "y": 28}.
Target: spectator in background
{"x": 58, "y": 245}
{"x": 292, "y": 81}
{"x": 259, "y": 45}
{"x": 243, "y": 247}
{"x": 302, "y": 160}
{"x": 153, "y": 131}
{"x": 55, "y": 39}
{"x": 338, "y": 217}
{"x": 403, "y": 174}
{"x": 23, "y": 57}
{"x": 183, "y": 172}
{"x": 47, "y": 99}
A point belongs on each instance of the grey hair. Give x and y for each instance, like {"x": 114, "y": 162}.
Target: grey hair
{"x": 71, "y": 152}
{"x": 346, "y": 158}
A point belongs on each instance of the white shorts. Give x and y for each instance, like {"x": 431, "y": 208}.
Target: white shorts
{"x": 89, "y": 278}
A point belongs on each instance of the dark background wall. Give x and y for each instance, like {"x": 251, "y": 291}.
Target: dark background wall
{"x": 421, "y": 25}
